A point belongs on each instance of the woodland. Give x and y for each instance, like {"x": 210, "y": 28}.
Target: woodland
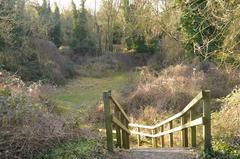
{"x": 155, "y": 56}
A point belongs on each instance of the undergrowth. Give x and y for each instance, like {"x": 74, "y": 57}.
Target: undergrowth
{"x": 81, "y": 149}
{"x": 170, "y": 90}
{"x": 226, "y": 128}
{"x": 30, "y": 123}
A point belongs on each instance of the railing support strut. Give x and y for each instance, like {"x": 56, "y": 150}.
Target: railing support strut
{"x": 108, "y": 120}
{"x": 207, "y": 121}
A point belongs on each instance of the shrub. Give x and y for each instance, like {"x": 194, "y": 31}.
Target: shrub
{"x": 229, "y": 127}
{"x": 105, "y": 64}
{"x": 174, "y": 87}
{"x": 169, "y": 90}
{"x": 54, "y": 66}
{"x": 170, "y": 53}
{"x": 38, "y": 60}
{"x": 29, "y": 126}
{"x": 226, "y": 129}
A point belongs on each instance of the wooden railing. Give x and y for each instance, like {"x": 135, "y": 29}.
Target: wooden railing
{"x": 115, "y": 117}
{"x": 196, "y": 113}
{"x": 189, "y": 120}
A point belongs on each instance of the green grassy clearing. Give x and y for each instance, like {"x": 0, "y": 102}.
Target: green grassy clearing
{"x": 80, "y": 94}
{"x": 87, "y": 91}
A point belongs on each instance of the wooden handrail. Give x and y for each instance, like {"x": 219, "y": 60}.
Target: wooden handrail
{"x": 119, "y": 107}
{"x": 187, "y": 108}
{"x": 204, "y": 120}
{"x": 117, "y": 118}
{"x": 196, "y": 122}
{"x": 118, "y": 123}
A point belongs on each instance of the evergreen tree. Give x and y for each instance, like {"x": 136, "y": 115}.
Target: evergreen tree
{"x": 82, "y": 22}
{"x": 19, "y": 29}
{"x": 75, "y": 14}
{"x": 79, "y": 25}
{"x": 46, "y": 19}
{"x": 56, "y": 30}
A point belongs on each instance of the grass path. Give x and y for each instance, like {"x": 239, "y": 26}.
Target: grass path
{"x": 87, "y": 91}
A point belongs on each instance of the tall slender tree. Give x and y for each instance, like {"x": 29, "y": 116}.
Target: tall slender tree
{"x": 56, "y": 30}
{"x": 82, "y": 21}
{"x": 79, "y": 24}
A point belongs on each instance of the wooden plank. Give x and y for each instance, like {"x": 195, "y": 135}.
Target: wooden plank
{"x": 178, "y": 115}
{"x": 104, "y": 131}
{"x": 193, "y": 134}
{"x": 140, "y": 126}
{"x": 142, "y": 134}
{"x": 118, "y": 130}
{"x": 162, "y": 137}
{"x": 207, "y": 121}
{"x": 184, "y": 132}
{"x": 187, "y": 108}
{"x": 154, "y": 140}
{"x": 195, "y": 122}
{"x": 128, "y": 134}
{"x": 124, "y": 134}
{"x": 108, "y": 120}
{"x": 120, "y": 108}
{"x": 138, "y": 138}
{"x": 171, "y": 134}
{"x": 118, "y": 123}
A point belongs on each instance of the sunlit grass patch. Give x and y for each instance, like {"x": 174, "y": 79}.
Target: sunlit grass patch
{"x": 87, "y": 91}
{"x": 81, "y": 149}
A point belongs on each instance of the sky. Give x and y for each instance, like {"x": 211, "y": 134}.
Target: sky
{"x": 65, "y": 4}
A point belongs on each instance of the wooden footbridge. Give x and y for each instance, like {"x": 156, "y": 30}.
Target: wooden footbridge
{"x": 196, "y": 113}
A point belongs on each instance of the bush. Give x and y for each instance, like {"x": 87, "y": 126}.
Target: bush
{"x": 105, "y": 64}
{"x": 54, "y": 66}
{"x": 29, "y": 126}
{"x": 171, "y": 53}
{"x": 226, "y": 129}
{"x": 229, "y": 127}
{"x": 38, "y": 60}
{"x": 174, "y": 87}
{"x": 169, "y": 90}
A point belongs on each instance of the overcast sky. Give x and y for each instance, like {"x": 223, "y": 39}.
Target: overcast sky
{"x": 64, "y": 4}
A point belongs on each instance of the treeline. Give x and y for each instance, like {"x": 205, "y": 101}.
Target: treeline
{"x": 203, "y": 29}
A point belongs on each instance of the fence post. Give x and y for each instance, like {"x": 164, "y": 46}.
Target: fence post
{"x": 118, "y": 130}
{"x": 184, "y": 132}
{"x": 138, "y": 137}
{"x": 193, "y": 128}
{"x": 154, "y": 140}
{"x": 207, "y": 121}
{"x": 171, "y": 134}
{"x": 127, "y": 135}
{"x": 108, "y": 120}
{"x": 162, "y": 137}
{"x": 124, "y": 134}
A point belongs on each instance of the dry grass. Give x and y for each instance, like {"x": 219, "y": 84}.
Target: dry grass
{"x": 165, "y": 91}
{"x": 106, "y": 64}
{"x": 174, "y": 87}
{"x": 28, "y": 123}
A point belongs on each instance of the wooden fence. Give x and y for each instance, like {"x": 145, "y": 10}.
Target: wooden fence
{"x": 117, "y": 118}
{"x": 197, "y": 112}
